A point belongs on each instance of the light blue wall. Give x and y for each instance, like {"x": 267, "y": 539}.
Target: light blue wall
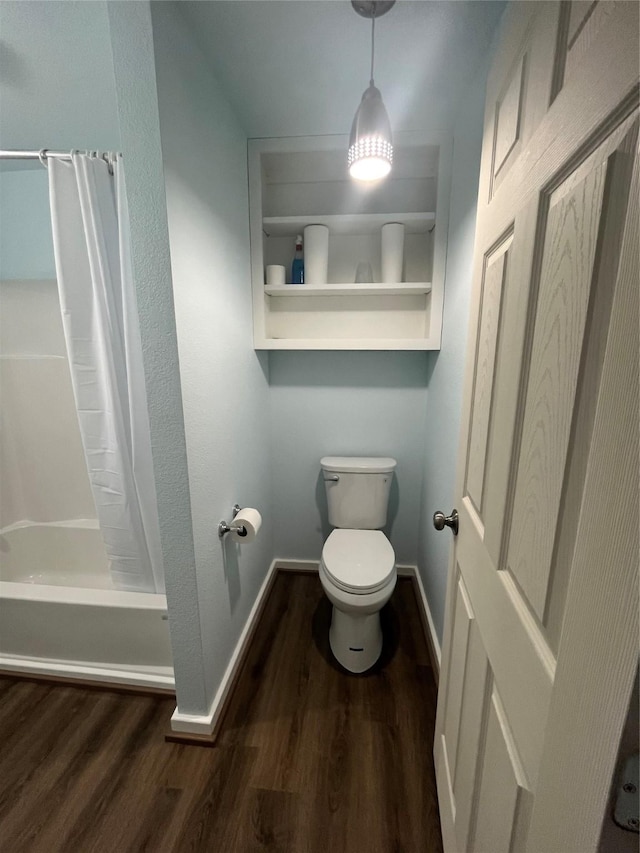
{"x": 132, "y": 48}
{"x": 446, "y": 368}
{"x": 82, "y": 75}
{"x": 57, "y": 88}
{"x": 62, "y": 86}
{"x": 344, "y": 403}
{"x": 26, "y": 244}
{"x": 224, "y": 381}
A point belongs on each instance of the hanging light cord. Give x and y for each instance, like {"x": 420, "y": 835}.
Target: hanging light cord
{"x": 373, "y": 40}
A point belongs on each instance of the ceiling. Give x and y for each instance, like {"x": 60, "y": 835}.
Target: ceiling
{"x": 299, "y": 67}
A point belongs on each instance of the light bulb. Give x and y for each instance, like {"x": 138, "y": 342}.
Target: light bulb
{"x": 370, "y": 169}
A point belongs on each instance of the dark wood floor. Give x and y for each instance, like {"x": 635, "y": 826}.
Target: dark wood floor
{"x": 309, "y": 758}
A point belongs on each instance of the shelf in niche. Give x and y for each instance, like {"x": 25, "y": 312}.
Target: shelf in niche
{"x": 329, "y": 344}
{"x": 348, "y": 223}
{"x": 300, "y": 181}
{"x": 349, "y": 289}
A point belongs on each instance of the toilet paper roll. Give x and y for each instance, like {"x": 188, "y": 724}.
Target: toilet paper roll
{"x": 275, "y": 274}
{"x": 251, "y": 520}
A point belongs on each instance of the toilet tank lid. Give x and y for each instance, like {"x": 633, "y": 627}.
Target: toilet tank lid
{"x": 358, "y": 464}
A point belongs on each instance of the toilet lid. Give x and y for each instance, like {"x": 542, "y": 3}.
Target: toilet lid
{"x": 358, "y": 560}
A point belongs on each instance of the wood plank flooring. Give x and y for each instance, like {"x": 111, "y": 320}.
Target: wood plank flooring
{"x": 309, "y": 758}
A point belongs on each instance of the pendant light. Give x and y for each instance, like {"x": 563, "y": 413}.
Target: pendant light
{"x": 370, "y": 145}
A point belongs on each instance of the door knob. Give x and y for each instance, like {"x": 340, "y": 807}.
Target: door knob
{"x": 440, "y": 521}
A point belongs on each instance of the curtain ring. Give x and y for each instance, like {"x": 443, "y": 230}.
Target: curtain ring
{"x": 42, "y": 156}
{"x": 109, "y": 160}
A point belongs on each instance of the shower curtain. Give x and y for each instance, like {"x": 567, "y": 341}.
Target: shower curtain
{"x": 93, "y": 264}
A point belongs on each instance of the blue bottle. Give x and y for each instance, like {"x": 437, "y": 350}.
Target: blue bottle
{"x": 297, "y": 267}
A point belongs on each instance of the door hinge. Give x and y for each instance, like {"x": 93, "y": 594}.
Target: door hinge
{"x": 626, "y": 811}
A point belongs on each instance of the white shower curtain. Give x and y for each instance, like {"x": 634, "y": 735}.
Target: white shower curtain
{"x": 93, "y": 263}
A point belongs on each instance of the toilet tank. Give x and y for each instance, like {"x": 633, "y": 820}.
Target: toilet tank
{"x": 357, "y": 490}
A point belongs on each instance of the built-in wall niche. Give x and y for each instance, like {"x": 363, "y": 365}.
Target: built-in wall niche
{"x": 304, "y": 181}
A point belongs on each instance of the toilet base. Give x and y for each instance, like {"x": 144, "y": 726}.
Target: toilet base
{"x": 355, "y": 639}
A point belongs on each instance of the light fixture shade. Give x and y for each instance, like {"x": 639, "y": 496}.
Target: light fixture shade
{"x": 370, "y": 144}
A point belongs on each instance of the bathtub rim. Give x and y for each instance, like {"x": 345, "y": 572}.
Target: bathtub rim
{"x": 154, "y": 679}
{"x": 145, "y": 676}
{"x": 87, "y": 596}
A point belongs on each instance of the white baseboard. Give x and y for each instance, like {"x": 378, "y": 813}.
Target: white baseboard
{"x": 205, "y": 724}
{"x": 152, "y": 677}
{"x": 410, "y": 571}
{"x": 403, "y": 570}
{"x": 297, "y": 565}
{"x": 433, "y": 636}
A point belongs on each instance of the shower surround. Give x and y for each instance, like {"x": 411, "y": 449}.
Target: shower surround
{"x": 59, "y": 611}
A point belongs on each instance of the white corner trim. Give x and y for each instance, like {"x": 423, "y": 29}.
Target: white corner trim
{"x": 152, "y": 677}
{"x": 192, "y": 723}
{"x": 204, "y": 724}
{"x": 435, "y": 642}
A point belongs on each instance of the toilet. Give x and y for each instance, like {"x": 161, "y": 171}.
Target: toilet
{"x": 357, "y": 569}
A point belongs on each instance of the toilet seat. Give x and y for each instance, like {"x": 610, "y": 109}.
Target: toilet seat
{"x": 359, "y": 561}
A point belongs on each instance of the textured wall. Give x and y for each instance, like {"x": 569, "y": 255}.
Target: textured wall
{"x": 134, "y": 67}
{"x": 446, "y": 368}
{"x": 356, "y": 404}
{"x": 224, "y": 382}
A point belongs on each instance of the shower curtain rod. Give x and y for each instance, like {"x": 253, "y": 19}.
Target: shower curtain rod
{"x": 33, "y": 155}
{"x": 45, "y": 152}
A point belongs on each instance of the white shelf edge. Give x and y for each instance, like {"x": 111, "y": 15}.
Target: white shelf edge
{"x": 349, "y": 289}
{"x": 348, "y": 223}
{"x": 377, "y": 344}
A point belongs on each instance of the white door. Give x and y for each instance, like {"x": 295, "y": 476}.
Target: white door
{"x": 541, "y": 633}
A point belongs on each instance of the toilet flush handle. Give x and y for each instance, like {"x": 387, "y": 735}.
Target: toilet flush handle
{"x": 333, "y": 479}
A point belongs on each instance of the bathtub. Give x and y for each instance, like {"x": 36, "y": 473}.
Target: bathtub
{"x": 61, "y": 616}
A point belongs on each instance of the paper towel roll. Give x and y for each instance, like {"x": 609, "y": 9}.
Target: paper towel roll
{"x": 316, "y": 254}
{"x": 392, "y": 252}
{"x": 251, "y": 520}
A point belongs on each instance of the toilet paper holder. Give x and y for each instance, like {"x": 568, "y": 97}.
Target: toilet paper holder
{"x": 224, "y": 527}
